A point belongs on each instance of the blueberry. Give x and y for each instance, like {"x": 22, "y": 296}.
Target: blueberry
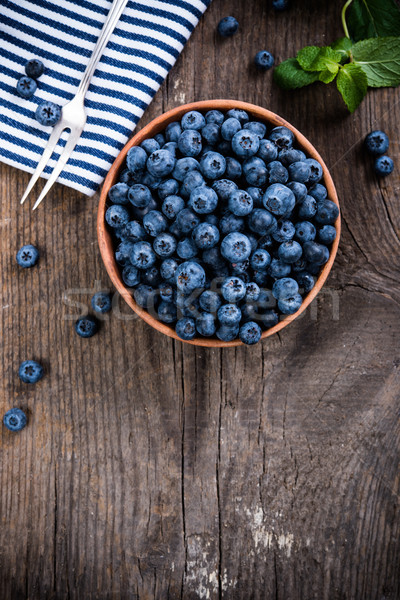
{"x": 130, "y": 276}
{"x": 203, "y": 200}
{"x": 173, "y": 131}
{"x": 299, "y": 190}
{"x": 259, "y": 128}
{"x": 229, "y": 128}
{"x": 27, "y": 256}
{"x": 164, "y": 244}
{"x": 193, "y": 120}
{"x": 284, "y": 288}
{"x": 205, "y": 236}
{"x": 133, "y": 231}
{"x": 186, "y": 220}
{"x": 316, "y": 253}
{"x": 308, "y": 208}
{"x": 261, "y": 278}
{"x": 186, "y": 249}
{"x": 235, "y": 247}
{"x": 227, "y": 26}
{"x": 376, "y": 143}
{"x": 15, "y": 419}
{"x": 280, "y": 5}
{"x": 268, "y": 319}
{"x": 250, "y": 333}
{"x": 142, "y": 255}
{"x": 263, "y": 60}
{"x": 261, "y": 221}
{"x": 211, "y": 133}
{"x": 226, "y": 333}
{"x": 327, "y": 234}
{"x": 241, "y": 268}
{"x": 144, "y": 296}
{"x": 265, "y": 242}
{"x": 305, "y": 281}
{"x": 118, "y": 193}
{"x": 279, "y": 199}
{"x": 215, "y": 116}
{"x": 257, "y": 194}
{"x": 126, "y": 176}
{"x": 290, "y": 251}
{"x": 282, "y": 137}
{"x": 278, "y": 269}
{"x": 166, "y": 292}
{"x": 316, "y": 172}
{"x": 48, "y": 113}
{"x": 299, "y": 171}
{"x": 150, "y": 145}
{"x": 172, "y": 205}
{"x": 160, "y": 163}
{"x": 277, "y": 173}
{"x": 86, "y": 327}
{"x": 224, "y": 147}
{"x": 190, "y": 276}
{"x": 193, "y": 180}
{"x": 252, "y": 292}
{"x": 327, "y": 212}
{"x": 260, "y": 260}
{"x": 117, "y": 216}
{"x": 212, "y": 219}
{"x": 255, "y": 171}
{"x": 212, "y": 257}
{"x": 267, "y": 150}
{"x": 139, "y": 195}
{"x": 150, "y": 181}
{"x": 168, "y": 269}
{"x": 187, "y": 306}
{"x": 224, "y": 188}
{"x": 160, "y": 138}
{"x": 166, "y": 312}
{"x": 288, "y": 306}
{"x": 210, "y": 301}
{"x": 233, "y": 168}
{"x": 30, "y": 371}
{"x": 34, "y": 68}
{"x": 205, "y": 324}
{"x": 212, "y": 165}
{"x": 383, "y": 165}
{"x": 123, "y": 251}
{"x": 240, "y": 203}
{"x": 26, "y": 87}
{"x": 154, "y": 223}
{"x": 186, "y": 328}
{"x": 168, "y": 187}
{"x": 245, "y": 143}
{"x": 284, "y": 232}
{"x": 189, "y": 142}
{"x": 229, "y": 314}
{"x": 239, "y": 114}
{"x": 101, "y": 302}
{"x": 318, "y": 191}
{"x": 183, "y": 166}
{"x": 233, "y": 289}
{"x": 305, "y": 231}
{"x": 136, "y": 159}
{"x": 266, "y": 300}
{"x": 291, "y": 155}
{"x": 171, "y": 147}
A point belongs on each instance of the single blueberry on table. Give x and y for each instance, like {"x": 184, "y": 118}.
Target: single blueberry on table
{"x": 290, "y": 305}
{"x": 150, "y": 145}
{"x": 101, "y": 302}
{"x": 264, "y": 60}
{"x": 305, "y": 280}
{"x": 284, "y": 232}
{"x": 284, "y": 288}
{"x": 160, "y": 163}
{"x": 277, "y": 173}
{"x": 279, "y": 199}
{"x": 130, "y": 276}
{"x": 327, "y": 234}
{"x": 305, "y": 231}
{"x": 290, "y": 252}
{"x": 250, "y": 333}
{"x": 186, "y": 328}
{"x": 167, "y": 312}
{"x": 30, "y": 371}
{"x": 235, "y": 247}
{"x": 189, "y": 142}
{"x": 211, "y": 133}
{"x": 27, "y": 256}
{"x": 233, "y": 289}
{"x": 315, "y": 253}
{"x": 193, "y": 180}
{"x": 240, "y": 203}
{"x": 245, "y": 143}
{"x": 255, "y": 171}
{"x": 164, "y": 244}
{"x": 229, "y": 128}
{"x": 86, "y": 327}
{"x": 376, "y": 143}
{"x": 229, "y": 314}
{"x": 34, "y": 68}
{"x": 383, "y": 166}
{"x": 307, "y": 208}
{"x": 327, "y": 212}
{"x": 142, "y": 255}
{"x": 282, "y": 137}
{"x": 118, "y": 193}
{"x": 173, "y": 131}
{"x": 26, "y": 87}
{"x": 261, "y": 221}
{"x": 186, "y": 220}
{"x": 233, "y": 168}
{"x": 212, "y": 165}
{"x": 215, "y": 116}
{"x": 267, "y": 150}
{"x": 15, "y": 419}
{"x": 193, "y": 120}
{"x": 48, "y": 113}
{"x": 260, "y": 260}
{"x": 228, "y": 26}
{"x": 136, "y": 159}
{"x": 190, "y": 276}
{"x": 186, "y": 248}
{"x": 205, "y": 236}
{"x": 205, "y": 324}
{"x": 203, "y": 200}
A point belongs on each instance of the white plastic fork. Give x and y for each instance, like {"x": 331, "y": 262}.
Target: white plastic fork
{"x": 73, "y": 114}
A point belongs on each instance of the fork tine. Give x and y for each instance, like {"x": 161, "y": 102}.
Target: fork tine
{"x": 47, "y": 152}
{"x": 65, "y": 154}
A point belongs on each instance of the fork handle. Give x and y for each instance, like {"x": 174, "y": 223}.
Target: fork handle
{"x": 108, "y": 27}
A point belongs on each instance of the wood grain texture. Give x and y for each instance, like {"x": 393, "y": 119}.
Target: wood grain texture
{"x": 153, "y": 469}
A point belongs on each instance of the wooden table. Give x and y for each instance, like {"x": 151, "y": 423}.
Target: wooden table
{"x": 152, "y": 469}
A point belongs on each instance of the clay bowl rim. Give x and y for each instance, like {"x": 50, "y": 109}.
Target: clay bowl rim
{"x": 157, "y": 125}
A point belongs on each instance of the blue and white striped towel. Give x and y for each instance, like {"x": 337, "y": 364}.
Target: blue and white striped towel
{"x": 62, "y": 33}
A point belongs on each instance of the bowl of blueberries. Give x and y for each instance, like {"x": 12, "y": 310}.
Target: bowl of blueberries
{"x": 218, "y": 223}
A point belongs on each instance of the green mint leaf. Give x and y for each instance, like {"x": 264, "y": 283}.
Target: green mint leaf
{"x": 327, "y": 76}
{"x": 312, "y": 58}
{"x": 343, "y": 45}
{"x": 289, "y": 75}
{"x": 352, "y": 84}
{"x": 379, "y": 58}
{"x": 373, "y": 18}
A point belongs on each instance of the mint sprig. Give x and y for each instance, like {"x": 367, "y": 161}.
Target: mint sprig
{"x": 354, "y": 62}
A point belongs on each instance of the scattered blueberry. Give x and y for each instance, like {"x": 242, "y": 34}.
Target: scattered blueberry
{"x": 15, "y": 419}
{"x": 263, "y": 60}
{"x": 228, "y": 26}
{"x": 377, "y": 143}
{"x": 34, "y": 68}
{"x": 48, "y": 113}
{"x": 383, "y": 165}
{"x": 26, "y": 87}
{"x": 101, "y": 302}
{"x": 280, "y": 5}
{"x": 27, "y": 256}
{"x": 86, "y": 327}
{"x": 30, "y": 371}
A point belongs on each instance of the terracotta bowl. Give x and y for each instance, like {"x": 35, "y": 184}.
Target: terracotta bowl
{"x": 157, "y": 126}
